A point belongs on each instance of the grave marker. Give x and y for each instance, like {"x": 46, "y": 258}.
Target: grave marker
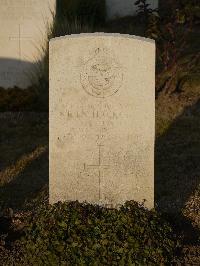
{"x": 19, "y": 39}
{"x": 102, "y": 119}
{"x": 23, "y": 32}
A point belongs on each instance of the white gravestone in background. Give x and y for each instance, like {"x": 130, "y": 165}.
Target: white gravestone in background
{"x": 122, "y": 8}
{"x": 102, "y": 119}
{"x": 23, "y": 31}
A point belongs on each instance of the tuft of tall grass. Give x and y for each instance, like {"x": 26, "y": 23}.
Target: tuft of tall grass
{"x": 62, "y": 25}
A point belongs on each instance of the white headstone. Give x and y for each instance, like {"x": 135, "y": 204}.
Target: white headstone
{"x": 102, "y": 119}
{"x": 24, "y": 25}
{"x": 122, "y": 8}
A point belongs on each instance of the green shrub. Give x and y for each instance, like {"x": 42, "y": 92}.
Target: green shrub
{"x": 87, "y": 11}
{"x": 17, "y": 99}
{"x": 83, "y": 234}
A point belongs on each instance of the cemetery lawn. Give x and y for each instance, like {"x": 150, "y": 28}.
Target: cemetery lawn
{"x": 23, "y": 157}
{"x": 177, "y": 168}
{"x": 24, "y": 164}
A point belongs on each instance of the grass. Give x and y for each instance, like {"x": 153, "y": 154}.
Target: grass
{"x": 23, "y": 157}
{"x": 177, "y": 158}
{"x": 24, "y": 162}
{"x": 24, "y": 141}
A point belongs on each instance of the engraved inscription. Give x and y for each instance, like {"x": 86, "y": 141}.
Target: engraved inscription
{"x": 99, "y": 166}
{"x": 101, "y": 75}
{"x": 95, "y": 114}
{"x": 104, "y": 111}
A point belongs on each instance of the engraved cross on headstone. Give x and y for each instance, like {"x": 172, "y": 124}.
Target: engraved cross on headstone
{"x": 101, "y": 167}
{"x": 20, "y": 38}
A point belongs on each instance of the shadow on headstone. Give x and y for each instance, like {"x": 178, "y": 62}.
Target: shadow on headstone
{"x": 16, "y": 73}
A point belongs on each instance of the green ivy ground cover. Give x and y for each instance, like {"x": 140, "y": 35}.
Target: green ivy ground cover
{"x": 84, "y": 234}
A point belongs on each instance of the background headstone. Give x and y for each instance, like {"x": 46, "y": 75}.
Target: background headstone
{"x": 122, "y": 8}
{"x": 23, "y": 30}
{"x": 102, "y": 119}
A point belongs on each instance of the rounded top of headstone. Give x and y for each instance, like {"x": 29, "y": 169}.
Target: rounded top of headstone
{"x": 103, "y": 34}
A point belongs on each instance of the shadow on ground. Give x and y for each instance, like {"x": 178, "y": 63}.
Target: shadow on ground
{"x": 23, "y": 158}
{"x": 177, "y": 161}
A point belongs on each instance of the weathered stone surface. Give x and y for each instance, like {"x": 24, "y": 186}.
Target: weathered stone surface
{"x": 24, "y": 25}
{"x": 102, "y": 119}
{"x": 122, "y": 8}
